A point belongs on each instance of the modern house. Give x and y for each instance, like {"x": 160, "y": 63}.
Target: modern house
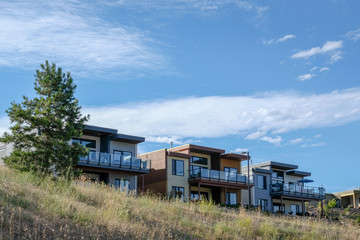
{"x": 191, "y": 172}
{"x": 280, "y": 187}
{"x": 112, "y": 157}
{"x": 349, "y": 198}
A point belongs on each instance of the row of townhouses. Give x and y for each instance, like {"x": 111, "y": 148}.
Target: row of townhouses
{"x": 192, "y": 172}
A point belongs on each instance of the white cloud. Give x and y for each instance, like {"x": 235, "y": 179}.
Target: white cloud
{"x": 324, "y": 69}
{"x": 320, "y": 144}
{"x": 70, "y": 34}
{"x": 318, "y": 136}
{"x": 297, "y": 140}
{"x": 240, "y": 150}
{"x": 313, "y": 69}
{"x": 328, "y": 47}
{"x": 307, "y": 76}
{"x": 274, "y": 140}
{"x": 336, "y": 57}
{"x": 353, "y": 35}
{"x": 199, "y": 117}
{"x": 4, "y": 125}
{"x": 163, "y": 139}
{"x": 282, "y": 39}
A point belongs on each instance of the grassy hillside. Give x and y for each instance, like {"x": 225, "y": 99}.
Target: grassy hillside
{"x": 35, "y": 208}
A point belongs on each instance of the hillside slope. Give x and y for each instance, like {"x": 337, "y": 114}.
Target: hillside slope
{"x": 35, "y": 208}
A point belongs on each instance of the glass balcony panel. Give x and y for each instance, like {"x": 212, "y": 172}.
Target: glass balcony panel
{"x": 104, "y": 158}
{"x": 116, "y": 159}
{"x": 93, "y": 158}
{"x": 126, "y": 161}
{"x": 135, "y": 163}
{"x": 232, "y": 176}
{"x": 224, "y": 176}
{"x": 214, "y": 174}
{"x": 204, "y": 173}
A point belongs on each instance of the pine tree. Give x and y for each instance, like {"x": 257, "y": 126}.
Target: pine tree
{"x": 42, "y": 128}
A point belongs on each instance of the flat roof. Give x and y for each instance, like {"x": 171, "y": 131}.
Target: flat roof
{"x": 298, "y": 173}
{"x": 98, "y": 131}
{"x": 127, "y": 138}
{"x": 234, "y": 156}
{"x": 277, "y": 165}
{"x": 198, "y": 149}
{"x": 261, "y": 170}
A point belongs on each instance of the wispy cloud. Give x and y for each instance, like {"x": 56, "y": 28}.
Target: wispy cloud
{"x": 72, "y": 34}
{"x": 324, "y": 69}
{"x": 282, "y": 39}
{"x": 240, "y": 150}
{"x": 318, "y": 136}
{"x": 249, "y": 116}
{"x": 306, "y": 76}
{"x": 353, "y": 35}
{"x": 320, "y": 144}
{"x": 313, "y": 69}
{"x": 330, "y": 47}
{"x": 275, "y": 140}
{"x": 297, "y": 140}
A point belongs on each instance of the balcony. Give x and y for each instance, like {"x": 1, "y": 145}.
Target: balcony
{"x": 297, "y": 190}
{"x": 115, "y": 161}
{"x": 219, "y": 178}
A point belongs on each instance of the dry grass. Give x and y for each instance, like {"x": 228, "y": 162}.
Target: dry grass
{"x": 35, "y": 208}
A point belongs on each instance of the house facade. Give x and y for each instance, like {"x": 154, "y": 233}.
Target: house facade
{"x": 191, "y": 172}
{"x": 112, "y": 157}
{"x": 349, "y": 198}
{"x": 280, "y": 187}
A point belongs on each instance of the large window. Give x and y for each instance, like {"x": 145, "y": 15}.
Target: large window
{"x": 277, "y": 207}
{"x": 261, "y": 182}
{"x": 278, "y": 175}
{"x": 122, "y": 184}
{"x": 178, "y": 167}
{"x": 85, "y": 142}
{"x": 126, "y": 157}
{"x": 178, "y": 192}
{"x": 294, "y": 208}
{"x": 262, "y": 203}
{"x": 199, "y": 160}
{"x": 230, "y": 198}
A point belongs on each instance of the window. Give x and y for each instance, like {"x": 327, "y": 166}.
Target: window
{"x": 261, "y": 182}
{"x": 123, "y": 184}
{"x": 231, "y": 170}
{"x": 294, "y": 209}
{"x": 231, "y": 198}
{"x": 194, "y": 196}
{"x": 85, "y": 142}
{"x": 262, "y": 203}
{"x": 199, "y": 160}
{"x": 178, "y": 192}
{"x": 178, "y": 167}
{"x": 278, "y": 175}
{"x": 123, "y": 157}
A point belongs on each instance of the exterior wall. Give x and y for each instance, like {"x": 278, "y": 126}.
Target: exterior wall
{"x": 289, "y": 178}
{"x": 202, "y": 189}
{"x": 122, "y": 146}
{"x": 230, "y": 163}
{"x": 287, "y": 204}
{"x": 156, "y": 180}
{"x": 5, "y": 151}
{"x": 178, "y": 181}
{"x": 245, "y": 196}
{"x": 262, "y": 193}
{"x": 132, "y": 178}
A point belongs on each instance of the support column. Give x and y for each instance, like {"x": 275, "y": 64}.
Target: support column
{"x": 281, "y": 205}
{"x": 199, "y": 190}
{"x": 303, "y": 207}
{"x": 322, "y": 208}
{"x": 143, "y": 183}
{"x": 354, "y": 201}
{"x": 225, "y": 191}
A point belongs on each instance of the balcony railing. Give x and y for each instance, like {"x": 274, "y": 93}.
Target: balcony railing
{"x": 297, "y": 190}
{"x": 216, "y": 175}
{"x": 115, "y": 161}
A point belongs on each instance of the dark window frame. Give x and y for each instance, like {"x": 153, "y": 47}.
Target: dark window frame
{"x": 80, "y": 141}
{"x": 174, "y": 167}
{"x": 200, "y": 160}
{"x": 264, "y": 187}
{"x": 176, "y": 190}
{"x": 227, "y": 198}
{"x": 262, "y": 203}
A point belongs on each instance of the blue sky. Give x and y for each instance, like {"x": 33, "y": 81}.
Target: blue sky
{"x": 279, "y": 78}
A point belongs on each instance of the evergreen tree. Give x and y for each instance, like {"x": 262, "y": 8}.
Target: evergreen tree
{"x": 42, "y": 128}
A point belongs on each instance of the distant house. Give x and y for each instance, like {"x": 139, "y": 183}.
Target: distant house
{"x": 349, "y": 198}
{"x": 280, "y": 187}
{"x": 191, "y": 172}
{"x": 112, "y": 157}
